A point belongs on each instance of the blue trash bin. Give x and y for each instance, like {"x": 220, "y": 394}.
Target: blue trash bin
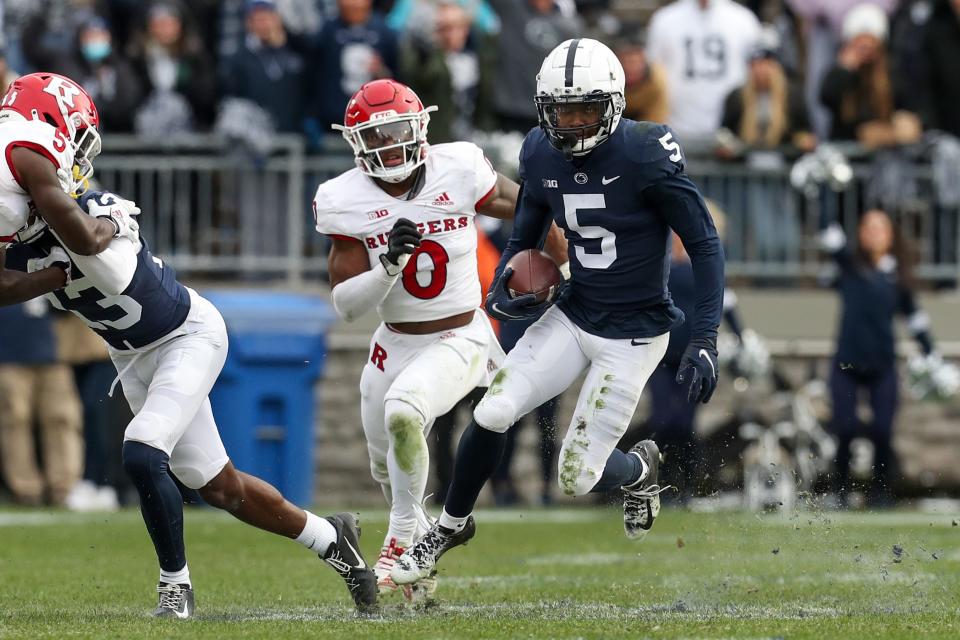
{"x": 264, "y": 399}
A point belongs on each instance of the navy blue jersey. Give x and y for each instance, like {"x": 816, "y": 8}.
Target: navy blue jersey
{"x": 149, "y": 308}
{"x": 616, "y": 206}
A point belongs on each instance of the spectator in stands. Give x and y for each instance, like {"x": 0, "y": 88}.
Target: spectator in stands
{"x": 875, "y": 283}
{"x": 767, "y": 112}
{"x": 50, "y": 30}
{"x": 413, "y": 18}
{"x": 355, "y": 47}
{"x": 34, "y": 387}
{"x": 529, "y": 30}
{"x": 455, "y": 72}
{"x": 859, "y": 90}
{"x": 176, "y": 67}
{"x": 106, "y": 75}
{"x": 703, "y": 45}
{"x": 764, "y": 121}
{"x": 646, "y": 85}
{"x": 940, "y": 85}
{"x": 267, "y": 71}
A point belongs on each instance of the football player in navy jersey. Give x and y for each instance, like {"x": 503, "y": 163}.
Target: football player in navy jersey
{"x": 169, "y": 345}
{"x": 616, "y": 187}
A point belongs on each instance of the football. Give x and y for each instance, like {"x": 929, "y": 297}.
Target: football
{"x": 533, "y": 272}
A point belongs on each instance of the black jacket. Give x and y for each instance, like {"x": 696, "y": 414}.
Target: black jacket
{"x": 940, "y": 86}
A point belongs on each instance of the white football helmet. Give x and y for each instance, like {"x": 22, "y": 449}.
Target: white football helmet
{"x": 580, "y": 72}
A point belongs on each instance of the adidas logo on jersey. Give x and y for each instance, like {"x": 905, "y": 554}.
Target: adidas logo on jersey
{"x": 443, "y": 200}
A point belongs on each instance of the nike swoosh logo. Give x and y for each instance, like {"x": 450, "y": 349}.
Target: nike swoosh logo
{"x": 356, "y": 553}
{"x": 605, "y": 181}
{"x": 496, "y": 308}
{"x": 703, "y": 354}
{"x": 637, "y": 344}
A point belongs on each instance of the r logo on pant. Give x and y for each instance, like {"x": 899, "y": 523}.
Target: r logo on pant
{"x": 378, "y": 356}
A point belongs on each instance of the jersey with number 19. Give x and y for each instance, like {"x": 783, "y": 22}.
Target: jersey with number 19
{"x": 440, "y": 280}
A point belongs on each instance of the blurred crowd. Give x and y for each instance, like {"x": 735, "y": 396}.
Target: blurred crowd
{"x": 768, "y": 74}
{"x": 759, "y": 82}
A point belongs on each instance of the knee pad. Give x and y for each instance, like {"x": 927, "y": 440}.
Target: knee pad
{"x": 144, "y": 463}
{"x": 495, "y": 413}
{"x": 405, "y": 429}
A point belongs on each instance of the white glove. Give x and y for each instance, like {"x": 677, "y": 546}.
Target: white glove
{"x": 103, "y": 204}
{"x": 57, "y": 258}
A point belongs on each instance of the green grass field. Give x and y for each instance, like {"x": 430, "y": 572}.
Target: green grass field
{"x": 533, "y": 574}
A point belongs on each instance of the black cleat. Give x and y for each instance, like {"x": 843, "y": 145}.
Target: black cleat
{"x": 176, "y": 601}
{"x": 345, "y": 558}
{"x": 419, "y": 561}
{"x": 641, "y": 501}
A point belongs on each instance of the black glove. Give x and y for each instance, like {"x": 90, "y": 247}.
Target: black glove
{"x": 502, "y": 306}
{"x": 698, "y": 367}
{"x": 403, "y": 240}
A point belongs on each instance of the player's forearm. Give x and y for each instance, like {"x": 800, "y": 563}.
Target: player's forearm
{"x": 707, "y": 261}
{"x": 17, "y": 287}
{"x": 357, "y": 295}
{"x": 556, "y": 245}
{"x": 730, "y": 313}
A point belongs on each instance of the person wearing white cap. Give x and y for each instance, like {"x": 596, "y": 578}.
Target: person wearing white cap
{"x": 859, "y": 90}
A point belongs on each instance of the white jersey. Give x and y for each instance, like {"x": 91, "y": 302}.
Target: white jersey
{"x": 705, "y": 55}
{"x": 17, "y": 131}
{"x": 440, "y": 280}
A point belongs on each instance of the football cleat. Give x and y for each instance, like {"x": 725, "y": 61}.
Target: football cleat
{"x": 388, "y": 556}
{"x": 419, "y": 561}
{"x": 345, "y": 558}
{"x": 176, "y": 601}
{"x": 641, "y": 500}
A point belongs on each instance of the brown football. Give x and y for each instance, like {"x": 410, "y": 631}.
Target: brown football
{"x": 533, "y": 272}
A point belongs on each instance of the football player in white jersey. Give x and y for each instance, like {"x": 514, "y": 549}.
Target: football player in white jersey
{"x": 48, "y": 133}
{"x": 404, "y": 242}
{"x": 704, "y": 45}
{"x": 169, "y": 345}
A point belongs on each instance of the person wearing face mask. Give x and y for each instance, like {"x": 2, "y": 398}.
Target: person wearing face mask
{"x": 108, "y": 77}
{"x": 875, "y": 283}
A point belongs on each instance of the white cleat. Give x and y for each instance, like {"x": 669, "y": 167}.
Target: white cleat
{"x": 641, "y": 501}
{"x": 419, "y": 562}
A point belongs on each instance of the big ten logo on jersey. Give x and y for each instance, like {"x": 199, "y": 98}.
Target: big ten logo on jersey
{"x": 376, "y": 215}
{"x": 378, "y": 355}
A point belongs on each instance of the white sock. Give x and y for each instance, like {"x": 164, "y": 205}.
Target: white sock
{"x": 318, "y": 534}
{"x": 448, "y": 521}
{"x": 176, "y": 577}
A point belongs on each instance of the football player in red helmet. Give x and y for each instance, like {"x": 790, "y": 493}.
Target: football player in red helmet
{"x": 404, "y": 242}
{"x": 48, "y": 127}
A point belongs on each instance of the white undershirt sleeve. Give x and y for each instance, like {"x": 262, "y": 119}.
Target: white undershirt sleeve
{"x": 355, "y": 296}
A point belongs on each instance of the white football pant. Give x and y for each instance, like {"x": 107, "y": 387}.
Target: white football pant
{"x": 167, "y": 385}
{"x": 407, "y": 382}
{"x": 548, "y": 359}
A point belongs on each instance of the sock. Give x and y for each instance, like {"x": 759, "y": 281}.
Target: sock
{"x": 478, "y": 455}
{"x": 176, "y": 577}
{"x": 450, "y": 522}
{"x": 160, "y": 502}
{"x": 318, "y": 534}
{"x": 622, "y": 470}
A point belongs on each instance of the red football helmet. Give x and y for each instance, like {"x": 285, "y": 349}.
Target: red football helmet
{"x": 64, "y": 105}
{"x": 386, "y": 125}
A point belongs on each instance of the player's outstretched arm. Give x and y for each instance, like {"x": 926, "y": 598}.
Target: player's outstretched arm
{"x": 17, "y": 287}
{"x": 502, "y": 204}
{"x": 81, "y": 233}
